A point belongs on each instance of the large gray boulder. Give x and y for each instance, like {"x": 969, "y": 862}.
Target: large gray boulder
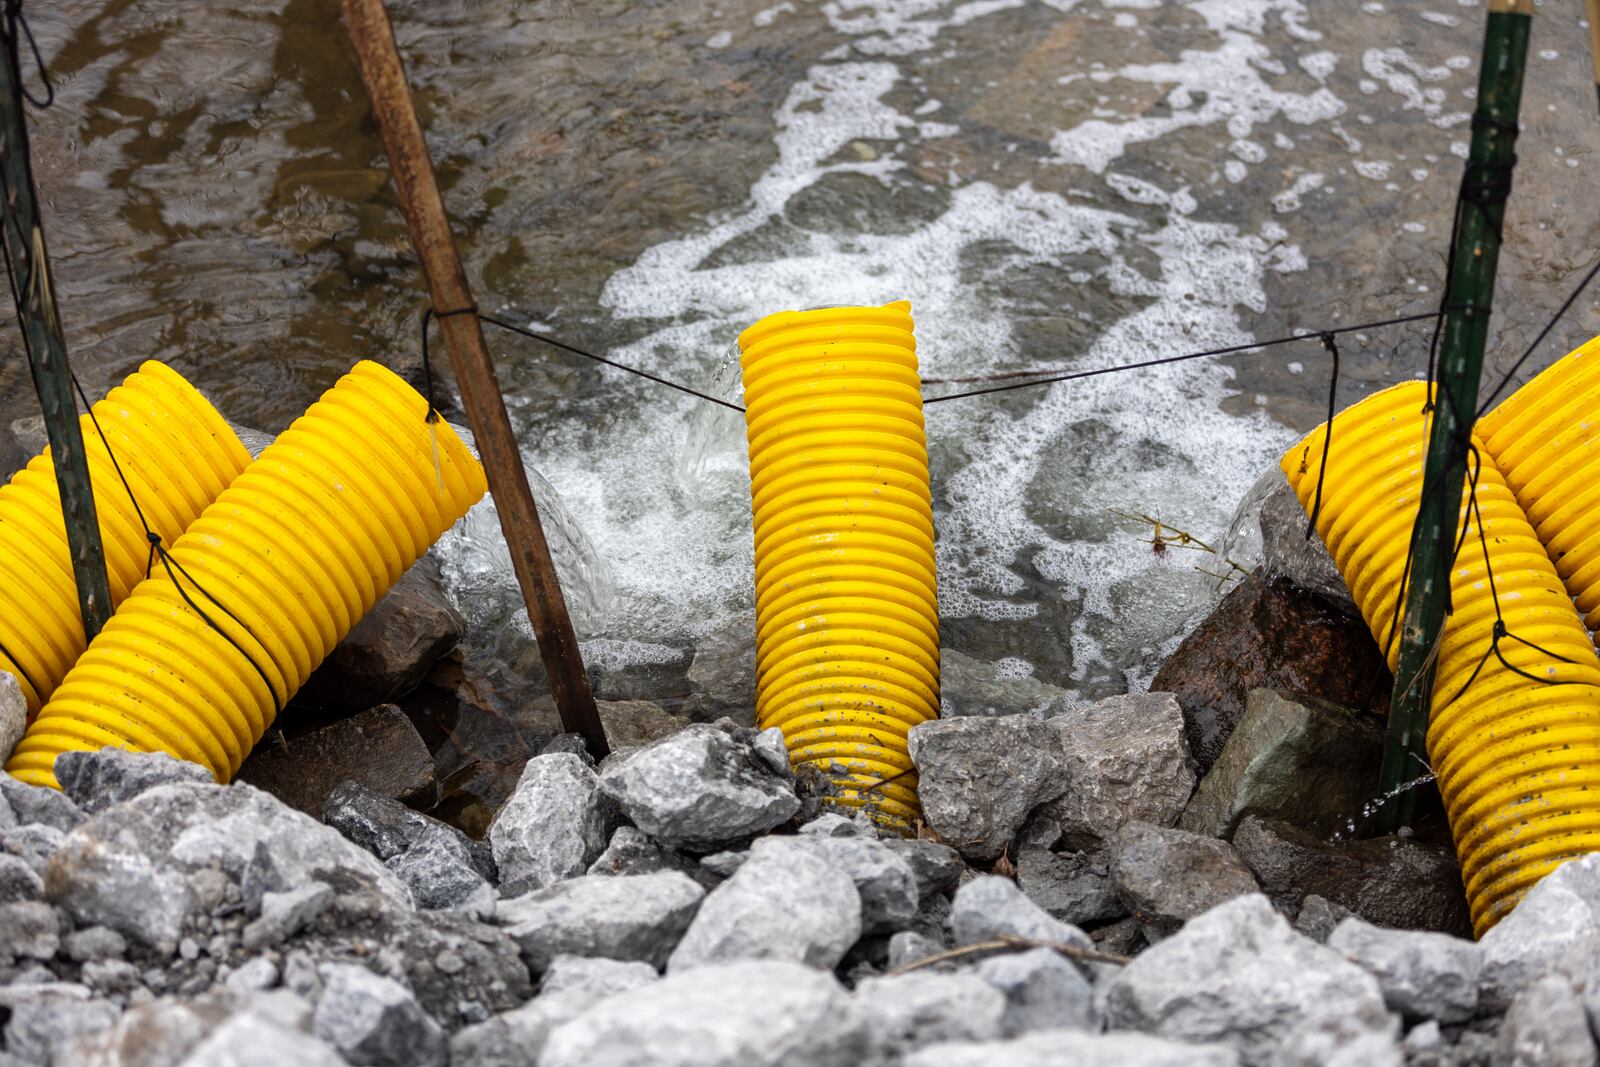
{"x": 1070, "y": 1049}
{"x": 1075, "y": 887}
{"x": 1547, "y": 1026}
{"x": 920, "y": 1008}
{"x": 597, "y": 976}
{"x": 95, "y": 780}
{"x": 1422, "y": 974}
{"x": 43, "y": 1018}
{"x": 1555, "y": 929}
{"x": 375, "y": 1021}
{"x": 13, "y": 714}
{"x": 250, "y": 1040}
{"x": 752, "y": 1014}
{"x": 1165, "y": 877}
{"x": 1240, "y": 976}
{"x": 1042, "y": 990}
{"x": 628, "y": 917}
{"x": 788, "y": 901}
{"x": 1127, "y": 759}
{"x": 516, "y": 1038}
{"x": 129, "y": 867}
{"x": 557, "y": 823}
{"x": 1292, "y": 757}
{"x": 990, "y": 907}
{"x": 883, "y": 877}
{"x": 37, "y": 804}
{"x": 705, "y": 787}
{"x": 979, "y": 778}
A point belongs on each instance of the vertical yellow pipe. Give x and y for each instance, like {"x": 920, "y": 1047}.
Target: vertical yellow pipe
{"x": 1517, "y": 756}
{"x": 847, "y": 614}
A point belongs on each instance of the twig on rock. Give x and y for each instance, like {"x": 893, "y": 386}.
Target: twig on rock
{"x": 1011, "y": 943}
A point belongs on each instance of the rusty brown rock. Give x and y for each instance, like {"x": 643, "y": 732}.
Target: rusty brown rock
{"x": 391, "y": 649}
{"x": 378, "y": 748}
{"x": 1269, "y": 635}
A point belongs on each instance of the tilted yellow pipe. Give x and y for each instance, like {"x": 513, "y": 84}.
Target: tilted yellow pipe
{"x": 1545, "y": 437}
{"x": 178, "y": 455}
{"x": 847, "y": 610}
{"x": 289, "y": 557}
{"x": 1516, "y": 758}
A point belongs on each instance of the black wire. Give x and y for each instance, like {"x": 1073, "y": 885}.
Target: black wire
{"x": 173, "y": 567}
{"x": 17, "y": 663}
{"x": 1517, "y": 366}
{"x": 1097, "y": 371}
{"x": 17, "y": 23}
{"x": 553, "y": 343}
{"x": 1331, "y": 343}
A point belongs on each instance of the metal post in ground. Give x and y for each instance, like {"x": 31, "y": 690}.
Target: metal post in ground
{"x": 385, "y": 78}
{"x": 28, "y": 265}
{"x": 1469, "y": 290}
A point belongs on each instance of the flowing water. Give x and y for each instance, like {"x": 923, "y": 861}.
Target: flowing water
{"x": 1053, "y": 183}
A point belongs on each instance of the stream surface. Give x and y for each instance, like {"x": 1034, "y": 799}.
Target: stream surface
{"x": 1058, "y": 183}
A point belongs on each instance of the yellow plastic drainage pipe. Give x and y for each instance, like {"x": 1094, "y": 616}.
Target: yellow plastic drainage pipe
{"x": 294, "y": 552}
{"x": 847, "y": 611}
{"x": 1545, "y": 437}
{"x": 178, "y": 455}
{"x": 1515, "y": 757}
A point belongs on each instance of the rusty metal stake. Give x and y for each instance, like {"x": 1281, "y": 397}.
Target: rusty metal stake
{"x": 385, "y": 78}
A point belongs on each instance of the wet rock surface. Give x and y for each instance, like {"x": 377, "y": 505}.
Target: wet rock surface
{"x": 1127, "y": 758}
{"x": 195, "y": 920}
{"x": 391, "y": 649}
{"x": 980, "y": 778}
{"x": 1269, "y": 635}
{"x": 378, "y": 747}
{"x": 1389, "y": 881}
{"x": 1292, "y": 757}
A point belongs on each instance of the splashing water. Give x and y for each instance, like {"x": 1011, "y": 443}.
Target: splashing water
{"x": 476, "y": 561}
{"x": 1354, "y": 823}
{"x": 712, "y": 464}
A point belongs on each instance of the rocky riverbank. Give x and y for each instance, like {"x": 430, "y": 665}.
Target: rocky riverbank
{"x": 1172, "y": 878}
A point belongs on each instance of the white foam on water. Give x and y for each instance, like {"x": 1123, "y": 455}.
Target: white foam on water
{"x": 1224, "y": 85}
{"x": 664, "y": 494}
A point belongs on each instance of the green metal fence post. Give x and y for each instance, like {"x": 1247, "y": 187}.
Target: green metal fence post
{"x": 1470, "y": 289}
{"x": 22, "y": 236}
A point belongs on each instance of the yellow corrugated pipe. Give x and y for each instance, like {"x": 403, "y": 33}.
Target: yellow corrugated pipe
{"x": 1515, "y": 758}
{"x": 294, "y": 552}
{"x": 847, "y": 611}
{"x": 178, "y": 455}
{"x": 1545, "y": 437}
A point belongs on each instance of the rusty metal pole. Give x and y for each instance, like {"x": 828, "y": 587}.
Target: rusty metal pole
{"x": 385, "y": 78}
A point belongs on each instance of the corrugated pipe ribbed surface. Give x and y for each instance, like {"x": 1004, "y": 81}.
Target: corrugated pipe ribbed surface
{"x": 847, "y": 613}
{"x": 296, "y": 550}
{"x": 1515, "y": 757}
{"x": 1545, "y": 438}
{"x": 177, "y": 453}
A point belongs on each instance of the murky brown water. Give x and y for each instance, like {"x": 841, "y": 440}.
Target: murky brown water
{"x": 1071, "y": 182}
